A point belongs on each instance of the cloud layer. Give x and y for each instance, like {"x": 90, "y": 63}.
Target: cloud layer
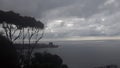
{"x": 91, "y": 18}
{"x": 73, "y": 18}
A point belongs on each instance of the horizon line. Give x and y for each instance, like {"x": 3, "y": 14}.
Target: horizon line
{"x": 83, "y": 38}
{"x": 79, "y": 38}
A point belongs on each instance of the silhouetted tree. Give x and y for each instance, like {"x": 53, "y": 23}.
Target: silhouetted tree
{"x": 21, "y": 27}
{"x": 24, "y": 27}
{"x": 13, "y": 23}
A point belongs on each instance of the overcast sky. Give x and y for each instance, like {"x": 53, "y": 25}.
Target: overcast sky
{"x": 71, "y": 18}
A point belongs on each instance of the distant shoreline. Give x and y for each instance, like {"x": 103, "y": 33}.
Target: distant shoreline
{"x": 36, "y": 46}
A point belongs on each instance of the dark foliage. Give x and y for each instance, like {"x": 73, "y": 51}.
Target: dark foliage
{"x": 46, "y": 60}
{"x": 11, "y": 17}
{"x": 8, "y": 54}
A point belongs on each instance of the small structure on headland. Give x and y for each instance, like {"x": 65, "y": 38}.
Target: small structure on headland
{"x": 51, "y": 43}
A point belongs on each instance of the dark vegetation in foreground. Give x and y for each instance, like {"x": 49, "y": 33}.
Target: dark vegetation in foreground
{"x": 16, "y": 27}
{"x": 10, "y": 58}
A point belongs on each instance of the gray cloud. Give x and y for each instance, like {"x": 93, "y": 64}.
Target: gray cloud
{"x": 71, "y": 18}
{"x": 33, "y": 8}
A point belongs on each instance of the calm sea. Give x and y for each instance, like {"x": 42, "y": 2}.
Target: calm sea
{"x": 87, "y": 54}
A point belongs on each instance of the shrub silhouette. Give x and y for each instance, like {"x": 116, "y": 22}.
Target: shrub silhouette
{"x": 46, "y": 60}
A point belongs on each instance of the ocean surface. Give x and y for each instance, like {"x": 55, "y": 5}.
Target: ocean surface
{"x": 87, "y": 54}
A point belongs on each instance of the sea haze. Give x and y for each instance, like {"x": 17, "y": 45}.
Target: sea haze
{"x": 87, "y": 54}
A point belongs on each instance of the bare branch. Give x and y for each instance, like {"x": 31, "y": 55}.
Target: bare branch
{"x": 39, "y": 38}
{"x": 5, "y": 29}
{"x": 18, "y": 35}
{"x": 32, "y": 48}
{"x": 14, "y": 32}
{"x": 10, "y": 31}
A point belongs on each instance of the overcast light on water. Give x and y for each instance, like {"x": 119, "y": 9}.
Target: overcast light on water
{"x": 87, "y": 54}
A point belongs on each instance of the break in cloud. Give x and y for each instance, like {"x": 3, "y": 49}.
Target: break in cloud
{"x": 71, "y": 18}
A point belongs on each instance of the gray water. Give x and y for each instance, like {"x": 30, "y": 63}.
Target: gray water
{"x": 87, "y": 54}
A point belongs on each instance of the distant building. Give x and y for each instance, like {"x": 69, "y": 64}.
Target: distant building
{"x": 51, "y": 43}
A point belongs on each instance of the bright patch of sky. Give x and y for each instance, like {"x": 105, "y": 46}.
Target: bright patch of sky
{"x": 104, "y": 22}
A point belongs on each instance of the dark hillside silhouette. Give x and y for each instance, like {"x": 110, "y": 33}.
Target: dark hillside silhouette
{"x": 8, "y": 54}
